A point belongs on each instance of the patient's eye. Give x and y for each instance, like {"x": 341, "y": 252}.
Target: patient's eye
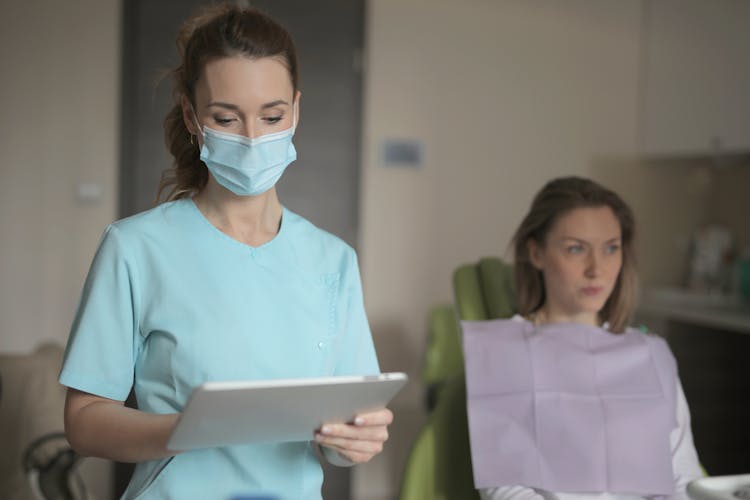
{"x": 613, "y": 248}
{"x": 574, "y": 249}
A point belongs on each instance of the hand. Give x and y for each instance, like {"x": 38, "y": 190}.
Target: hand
{"x": 358, "y": 441}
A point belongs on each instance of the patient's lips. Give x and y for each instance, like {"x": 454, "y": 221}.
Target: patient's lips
{"x": 592, "y": 291}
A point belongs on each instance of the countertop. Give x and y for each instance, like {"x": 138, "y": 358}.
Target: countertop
{"x": 725, "y": 312}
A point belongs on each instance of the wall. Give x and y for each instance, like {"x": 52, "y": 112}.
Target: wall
{"x": 670, "y": 199}
{"x": 59, "y": 96}
{"x": 59, "y": 123}
{"x": 503, "y": 95}
{"x": 730, "y": 201}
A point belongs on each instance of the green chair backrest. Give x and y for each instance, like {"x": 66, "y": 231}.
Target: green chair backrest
{"x": 443, "y": 357}
{"x": 498, "y": 287}
{"x": 484, "y": 290}
{"x": 439, "y": 466}
{"x": 467, "y": 291}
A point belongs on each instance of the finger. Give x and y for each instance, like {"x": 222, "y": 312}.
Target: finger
{"x": 378, "y": 417}
{"x": 370, "y": 433}
{"x": 354, "y": 456}
{"x": 349, "y": 448}
{"x": 349, "y": 445}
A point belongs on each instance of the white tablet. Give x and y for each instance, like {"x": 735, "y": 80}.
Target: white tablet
{"x": 228, "y": 413}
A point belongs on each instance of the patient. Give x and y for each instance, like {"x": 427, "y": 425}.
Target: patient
{"x": 564, "y": 400}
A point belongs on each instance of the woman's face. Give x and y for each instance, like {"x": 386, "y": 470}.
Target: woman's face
{"x": 249, "y": 97}
{"x": 580, "y": 261}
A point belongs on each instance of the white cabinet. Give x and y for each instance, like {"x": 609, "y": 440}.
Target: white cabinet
{"x": 695, "y": 81}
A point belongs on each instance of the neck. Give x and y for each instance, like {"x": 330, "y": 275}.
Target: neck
{"x": 548, "y": 313}
{"x": 253, "y": 220}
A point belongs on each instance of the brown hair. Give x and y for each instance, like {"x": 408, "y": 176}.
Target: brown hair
{"x": 557, "y": 198}
{"x": 222, "y": 30}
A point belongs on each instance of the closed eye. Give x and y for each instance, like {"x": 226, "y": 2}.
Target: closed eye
{"x": 224, "y": 121}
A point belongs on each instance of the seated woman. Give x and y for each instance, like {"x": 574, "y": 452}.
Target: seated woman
{"x": 564, "y": 400}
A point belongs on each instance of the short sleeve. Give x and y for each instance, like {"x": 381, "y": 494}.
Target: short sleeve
{"x": 103, "y": 342}
{"x": 357, "y": 355}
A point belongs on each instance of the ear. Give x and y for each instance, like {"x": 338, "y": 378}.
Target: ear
{"x": 188, "y": 116}
{"x": 536, "y": 254}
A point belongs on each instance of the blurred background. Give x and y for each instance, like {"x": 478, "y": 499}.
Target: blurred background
{"x": 426, "y": 128}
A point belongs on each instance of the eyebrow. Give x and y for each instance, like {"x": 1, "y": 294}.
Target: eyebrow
{"x": 234, "y": 107}
{"x": 273, "y": 104}
{"x": 611, "y": 240}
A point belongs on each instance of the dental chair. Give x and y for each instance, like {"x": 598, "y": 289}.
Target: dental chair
{"x": 443, "y": 357}
{"x": 36, "y": 462}
{"x": 50, "y": 465}
{"x": 439, "y": 465}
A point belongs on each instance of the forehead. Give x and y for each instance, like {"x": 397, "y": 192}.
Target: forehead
{"x": 244, "y": 81}
{"x": 588, "y": 224}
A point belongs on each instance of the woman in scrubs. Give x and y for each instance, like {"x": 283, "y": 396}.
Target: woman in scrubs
{"x": 566, "y": 401}
{"x": 220, "y": 282}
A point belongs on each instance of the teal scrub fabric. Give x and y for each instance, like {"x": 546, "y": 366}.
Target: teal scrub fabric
{"x": 171, "y": 302}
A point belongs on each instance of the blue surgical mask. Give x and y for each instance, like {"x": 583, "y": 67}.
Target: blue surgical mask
{"x": 247, "y": 167}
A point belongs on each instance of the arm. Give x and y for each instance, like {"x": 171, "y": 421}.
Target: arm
{"x": 98, "y": 368}
{"x": 685, "y": 462}
{"x": 101, "y": 427}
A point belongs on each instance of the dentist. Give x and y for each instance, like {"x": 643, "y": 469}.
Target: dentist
{"x": 219, "y": 282}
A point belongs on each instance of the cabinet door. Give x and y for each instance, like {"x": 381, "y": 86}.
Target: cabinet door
{"x": 696, "y": 77}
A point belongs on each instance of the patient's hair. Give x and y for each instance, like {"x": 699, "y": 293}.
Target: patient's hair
{"x": 216, "y": 31}
{"x": 557, "y": 198}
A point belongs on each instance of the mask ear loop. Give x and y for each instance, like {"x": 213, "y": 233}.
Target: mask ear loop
{"x": 197, "y": 124}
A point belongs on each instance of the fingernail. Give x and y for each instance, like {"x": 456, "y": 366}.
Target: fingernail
{"x": 359, "y": 421}
{"x": 325, "y": 430}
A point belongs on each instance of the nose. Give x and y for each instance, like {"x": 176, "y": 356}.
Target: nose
{"x": 251, "y": 130}
{"x": 593, "y": 265}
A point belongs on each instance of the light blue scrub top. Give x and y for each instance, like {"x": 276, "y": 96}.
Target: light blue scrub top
{"x": 171, "y": 302}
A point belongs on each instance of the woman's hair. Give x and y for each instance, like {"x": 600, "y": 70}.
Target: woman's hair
{"x": 557, "y": 198}
{"x": 217, "y": 31}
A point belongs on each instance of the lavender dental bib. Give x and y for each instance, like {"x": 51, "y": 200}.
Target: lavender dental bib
{"x": 569, "y": 407}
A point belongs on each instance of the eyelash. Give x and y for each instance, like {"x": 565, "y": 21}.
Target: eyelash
{"x": 577, "y": 249}
{"x": 226, "y": 121}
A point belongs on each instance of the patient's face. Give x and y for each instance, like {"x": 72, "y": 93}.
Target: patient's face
{"x": 580, "y": 260}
